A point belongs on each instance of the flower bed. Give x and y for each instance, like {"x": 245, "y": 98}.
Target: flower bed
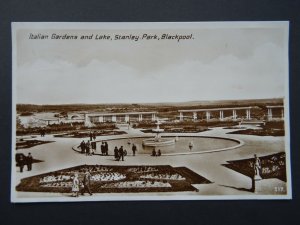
{"x": 175, "y": 176}
{"x": 106, "y": 179}
{"x": 272, "y": 166}
{"x": 138, "y": 184}
{"x": 108, "y": 176}
{"x": 76, "y": 134}
{"x": 30, "y": 143}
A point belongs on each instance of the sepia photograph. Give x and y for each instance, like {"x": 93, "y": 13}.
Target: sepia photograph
{"x": 150, "y": 111}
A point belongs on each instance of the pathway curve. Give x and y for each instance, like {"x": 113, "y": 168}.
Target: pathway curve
{"x": 58, "y": 155}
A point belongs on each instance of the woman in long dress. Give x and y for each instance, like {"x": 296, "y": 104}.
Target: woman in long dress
{"x": 75, "y": 186}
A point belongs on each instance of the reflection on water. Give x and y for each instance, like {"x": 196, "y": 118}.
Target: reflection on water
{"x": 181, "y": 145}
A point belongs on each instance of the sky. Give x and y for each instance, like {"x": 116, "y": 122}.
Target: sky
{"x": 218, "y": 63}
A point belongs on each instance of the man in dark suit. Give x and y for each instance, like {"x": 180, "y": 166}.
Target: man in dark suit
{"x": 21, "y": 163}
{"x": 133, "y": 149}
{"x": 106, "y": 148}
{"x": 102, "y": 148}
{"x": 82, "y": 147}
{"x": 116, "y": 151}
{"x": 86, "y": 183}
{"x": 29, "y": 162}
{"x": 121, "y": 153}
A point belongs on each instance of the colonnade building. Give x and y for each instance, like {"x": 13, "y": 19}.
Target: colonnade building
{"x": 233, "y": 113}
{"x": 119, "y": 117}
{"x": 276, "y": 107}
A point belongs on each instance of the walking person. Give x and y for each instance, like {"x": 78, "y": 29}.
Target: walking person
{"x": 42, "y": 132}
{"x": 86, "y": 183}
{"x": 75, "y": 185}
{"x": 134, "y": 149}
{"x": 153, "y": 152}
{"x": 29, "y": 162}
{"x": 106, "y": 148}
{"x": 93, "y": 144}
{"x": 102, "y": 148}
{"x": 158, "y": 152}
{"x": 87, "y": 148}
{"x": 21, "y": 163}
{"x": 82, "y": 146}
{"x": 121, "y": 153}
{"x": 116, "y": 153}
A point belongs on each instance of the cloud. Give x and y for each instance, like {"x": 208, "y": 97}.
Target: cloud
{"x": 260, "y": 75}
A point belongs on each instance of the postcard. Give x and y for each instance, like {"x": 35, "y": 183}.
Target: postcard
{"x": 150, "y": 111}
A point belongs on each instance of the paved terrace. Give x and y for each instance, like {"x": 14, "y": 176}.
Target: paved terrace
{"x": 59, "y": 155}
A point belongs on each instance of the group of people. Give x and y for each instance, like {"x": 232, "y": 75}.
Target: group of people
{"x": 104, "y": 148}
{"x": 82, "y": 186}
{"x": 42, "y": 132}
{"x": 87, "y": 148}
{"x": 93, "y": 135}
{"x": 25, "y": 160}
{"x": 120, "y": 153}
{"x": 154, "y": 153}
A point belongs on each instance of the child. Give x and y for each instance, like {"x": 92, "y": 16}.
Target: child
{"x": 75, "y": 186}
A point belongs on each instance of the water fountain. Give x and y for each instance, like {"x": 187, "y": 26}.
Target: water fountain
{"x": 158, "y": 141}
